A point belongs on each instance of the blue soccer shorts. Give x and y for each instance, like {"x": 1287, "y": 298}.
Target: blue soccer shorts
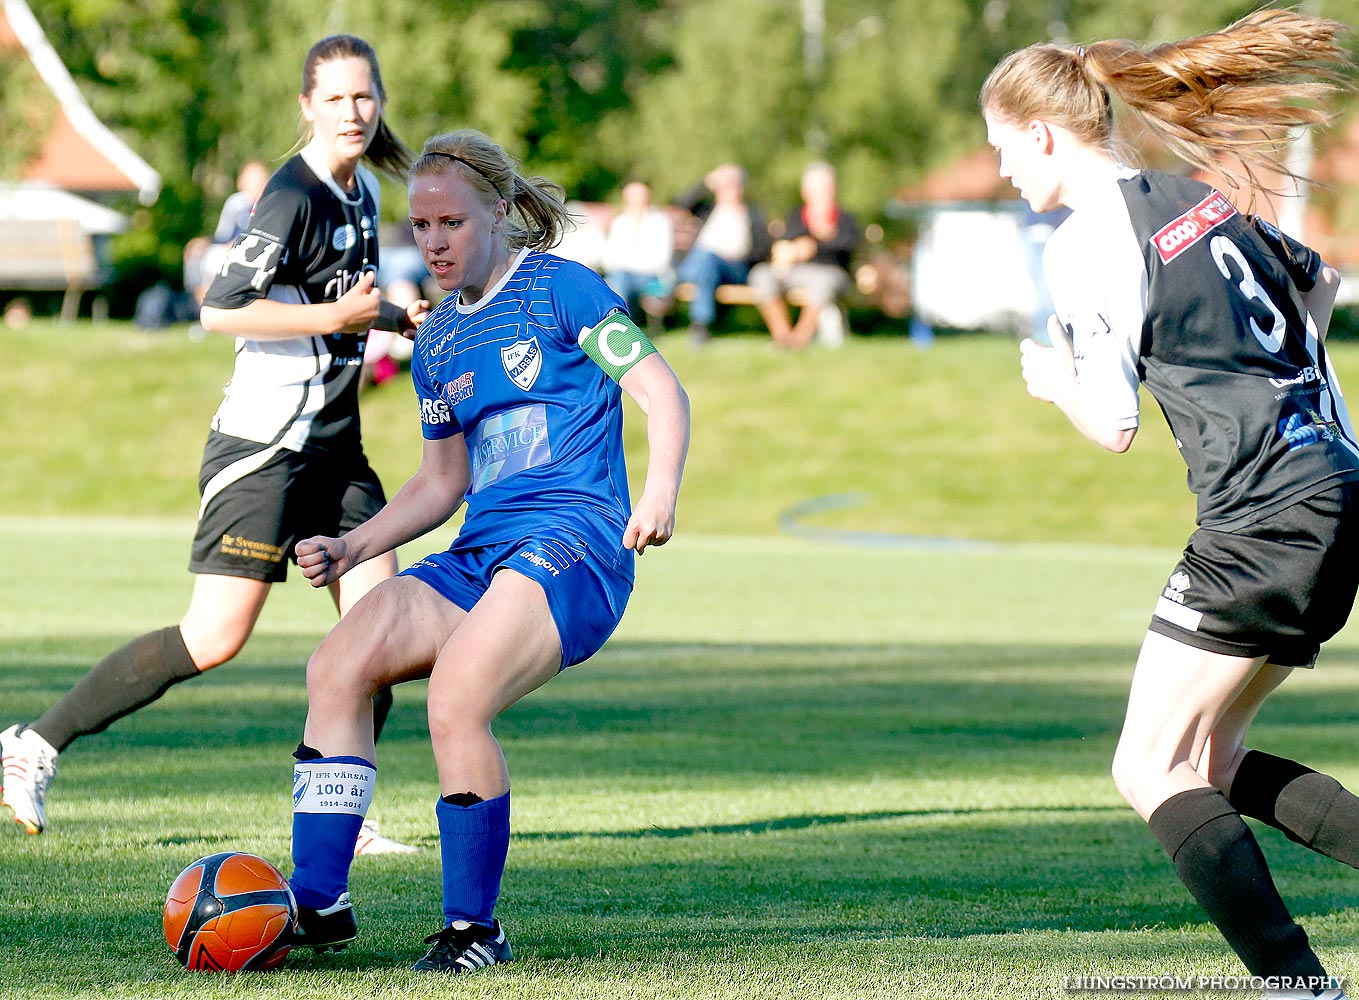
{"x": 586, "y": 593}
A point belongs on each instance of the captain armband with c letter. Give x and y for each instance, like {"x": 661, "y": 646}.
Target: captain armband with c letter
{"x": 616, "y": 344}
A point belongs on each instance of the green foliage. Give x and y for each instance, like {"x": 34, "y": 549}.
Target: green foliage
{"x": 585, "y": 92}
{"x": 26, "y": 107}
{"x": 734, "y": 92}
{"x": 886, "y": 105}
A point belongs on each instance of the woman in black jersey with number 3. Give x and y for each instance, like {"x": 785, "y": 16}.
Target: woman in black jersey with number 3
{"x": 283, "y": 460}
{"x": 1160, "y": 280}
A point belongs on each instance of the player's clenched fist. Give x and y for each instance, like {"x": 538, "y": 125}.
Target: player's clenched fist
{"x": 322, "y": 560}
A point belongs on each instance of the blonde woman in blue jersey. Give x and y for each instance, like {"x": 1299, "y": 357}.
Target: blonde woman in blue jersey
{"x": 520, "y": 373}
{"x": 1161, "y": 280}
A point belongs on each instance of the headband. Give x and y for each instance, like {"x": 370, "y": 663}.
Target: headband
{"x": 453, "y": 156}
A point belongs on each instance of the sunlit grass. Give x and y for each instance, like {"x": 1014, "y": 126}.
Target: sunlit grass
{"x": 797, "y": 769}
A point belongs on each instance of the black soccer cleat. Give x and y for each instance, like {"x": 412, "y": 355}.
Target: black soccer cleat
{"x": 464, "y": 947}
{"x": 329, "y": 929}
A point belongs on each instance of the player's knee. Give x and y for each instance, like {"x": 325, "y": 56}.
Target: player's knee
{"x": 1220, "y": 764}
{"x": 212, "y": 647}
{"x": 1129, "y": 773}
{"x": 336, "y": 679}
{"x": 453, "y": 718}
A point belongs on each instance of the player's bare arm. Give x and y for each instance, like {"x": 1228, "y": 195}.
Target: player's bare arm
{"x": 427, "y": 500}
{"x": 355, "y": 311}
{"x": 652, "y": 384}
{"x": 1050, "y": 374}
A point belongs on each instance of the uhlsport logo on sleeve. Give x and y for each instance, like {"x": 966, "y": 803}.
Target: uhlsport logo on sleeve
{"x": 523, "y": 360}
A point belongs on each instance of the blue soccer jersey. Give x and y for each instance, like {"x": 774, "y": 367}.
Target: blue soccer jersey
{"x": 542, "y": 422}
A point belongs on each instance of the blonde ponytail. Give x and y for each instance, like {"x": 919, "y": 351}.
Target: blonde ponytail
{"x": 1218, "y": 100}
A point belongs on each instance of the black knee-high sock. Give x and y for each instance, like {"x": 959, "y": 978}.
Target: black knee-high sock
{"x": 119, "y": 684}
{"x": 1220, "y": 863}
{"x": 382, "y": 704}
{"x": 1312, "y": 809}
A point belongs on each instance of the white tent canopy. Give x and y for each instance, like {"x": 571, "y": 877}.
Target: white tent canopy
{"x": 42, "y": 203}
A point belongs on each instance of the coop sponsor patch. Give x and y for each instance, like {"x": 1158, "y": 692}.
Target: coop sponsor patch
{"x": 1178, "y": 235}
{"x": 331, "y": 787}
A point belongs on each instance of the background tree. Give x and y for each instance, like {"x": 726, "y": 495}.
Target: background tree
{"x": 586, "y": 92}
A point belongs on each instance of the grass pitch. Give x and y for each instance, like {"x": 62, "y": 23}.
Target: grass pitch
{"x": 111, "y": 420}
{"x": 798, "y": 769}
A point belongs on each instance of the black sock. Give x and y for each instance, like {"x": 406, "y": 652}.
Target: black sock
{"x": 1312, "y": 809}
{"x": 463, "y": 799}
{"x": 382, "y": 704}
{"x": 118, "y": 685}
{"x": 1220, "y": 863}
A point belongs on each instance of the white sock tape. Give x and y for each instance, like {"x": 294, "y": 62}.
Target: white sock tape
{"x": 330, "y": 787}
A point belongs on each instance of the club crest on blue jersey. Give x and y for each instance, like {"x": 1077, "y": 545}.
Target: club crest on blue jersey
{"x": 523, "y": 360}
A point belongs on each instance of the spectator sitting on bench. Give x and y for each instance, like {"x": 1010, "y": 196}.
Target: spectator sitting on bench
{"x": 637, "y": 255}
{"x": 813, "y": 256}
{"x": 733, "y": 237}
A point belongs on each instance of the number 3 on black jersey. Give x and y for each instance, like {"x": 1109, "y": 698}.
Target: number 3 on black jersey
{"x": 1225, "y": 250}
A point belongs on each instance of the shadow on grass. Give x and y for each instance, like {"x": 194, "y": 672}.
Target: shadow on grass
{"x": 800, "y": 823}
{"x": 681, "y": 716}
{"x": 857, "y": 794}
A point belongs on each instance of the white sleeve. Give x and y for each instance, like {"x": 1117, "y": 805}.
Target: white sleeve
{"x": 1098, "y": 282}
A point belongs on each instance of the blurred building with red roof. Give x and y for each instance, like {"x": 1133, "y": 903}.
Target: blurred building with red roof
{"x": 62, "y": 163}
{"x": 78, "y": 153}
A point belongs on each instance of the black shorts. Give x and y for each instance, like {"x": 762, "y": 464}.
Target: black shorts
{"x": 1279, "y": 587}
{"x": 259, "y": 500}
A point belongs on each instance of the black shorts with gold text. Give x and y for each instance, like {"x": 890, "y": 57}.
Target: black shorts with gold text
{"x": 1279, "y": 587}
{"x": 258, "y": 500}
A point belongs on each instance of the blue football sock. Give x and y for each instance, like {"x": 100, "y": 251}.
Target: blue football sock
{"x": 473, "y": 842}
{"x": 330, "y": 799}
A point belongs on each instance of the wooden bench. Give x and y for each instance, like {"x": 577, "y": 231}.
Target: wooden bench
{"x": 832, "y": 325}
{"x": 49, "y": 255}
{"x": 737, "y": 295}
